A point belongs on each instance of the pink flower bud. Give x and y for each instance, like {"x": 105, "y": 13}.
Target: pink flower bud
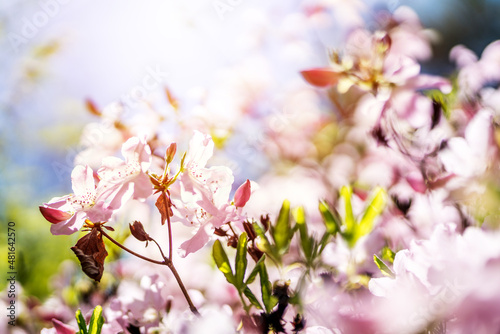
{"x": 242, "y": 195}
{"x": 53, "y": 215}
{"x": 169, "y": 155}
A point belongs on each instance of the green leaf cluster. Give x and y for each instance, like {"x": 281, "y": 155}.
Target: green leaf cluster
{"x": 95, "y": 324}
{"x": 237, "y": 277}
{"x": 275, "y": 243}
{"x": 281, "y": 234}
{"x": 353, "y": 229}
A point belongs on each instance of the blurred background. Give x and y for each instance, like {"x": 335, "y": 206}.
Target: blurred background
{"x": 55, "y": 54}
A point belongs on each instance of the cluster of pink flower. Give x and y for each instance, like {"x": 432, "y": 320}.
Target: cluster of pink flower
{"x": 403, "y": 165}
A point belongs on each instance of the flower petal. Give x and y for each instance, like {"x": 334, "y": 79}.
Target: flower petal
{"x": 321, "y": 77}
{"x": 82, "y": 178}
{"x": 194, "y": 244}
{"x": 54, "y": 216}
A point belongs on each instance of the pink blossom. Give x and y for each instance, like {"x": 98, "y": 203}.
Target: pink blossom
{"x": 203, "y": 195}
{"x": 474, "y": 74}
{"x": 470, "y": 155}
{"x": 59, "y": 328}
{"x": 68, "y": 213}
{"x": 449, "y": 278}
{"x": 127, "y": 179}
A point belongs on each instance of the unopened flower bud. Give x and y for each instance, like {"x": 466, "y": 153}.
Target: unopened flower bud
{"x": 383, "y": 42}
{"x": 242, "y": 195}
{"x": 169, "y": 155}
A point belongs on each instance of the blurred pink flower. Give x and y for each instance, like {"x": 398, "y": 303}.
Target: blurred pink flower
{"x": 474, "y": 74}
{"x": 471, "y": 154}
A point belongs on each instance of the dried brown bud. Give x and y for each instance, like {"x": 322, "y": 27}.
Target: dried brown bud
{"x": 255, "y": 253}
{"x": 248, "y": 227}
{"x": 298, "y": 323}
{"x": 138, "y": 232}
{"x": 232, "y": 241}
{"x": 220, "y": 232}
{"x": 168, "y": 305}
{"x": 264, "y": 220}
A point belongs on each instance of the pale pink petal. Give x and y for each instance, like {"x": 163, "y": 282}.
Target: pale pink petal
{"x": 414, "y": 108}
{"x": 462, "y": 56}
{"x": 60, "y": 203}
{"x": 201, "y": 148}
{"x": 100, "y": 212}
{"x": 62, "y": 328}
{"x": 82, "y": 178}
{"x": 108, "y": 165}
{"x": 425, "y": 81}
{"x": 458, "y": 157}
{"x": 399, "y": 69}
{"x": 136, "y": 150}
{"x": 405, "y": 14}
{"x": 194, "y": 244}
{"x": 69, "y": 227}
{"x": 492, "y": 53}
{"x": 219, "y": 182}
{"x": 381, "y": 286}
{"x": 142, "y": 187}
{"x": 416, "y": 181}
{"x": 478, "y": 133}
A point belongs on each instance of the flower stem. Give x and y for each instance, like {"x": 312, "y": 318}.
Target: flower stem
{"x": 131, "y": 251}
{"x": 166, "y": 262}
{"x": 193, "y": 309}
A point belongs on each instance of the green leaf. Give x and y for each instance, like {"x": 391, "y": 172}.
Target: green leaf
{"x": 346, "y": 194}
{"x": 388, "y": 254}
{"x": 282, "y": 231}
{"x": 251, "y": 297}
{"x": 96, "y": 321}
{"x": 332, "y": 224}
{"x": 241, "y": 260}
{"x": 305, "y": 241}
{"x": 255, "y": 271}
{"x": 266, "y": 288}
{"x": 383, "y": 267}
{"x": 222, "y": 262}
{"x": 373, "y": 210}
{"x": 82, "y": 325}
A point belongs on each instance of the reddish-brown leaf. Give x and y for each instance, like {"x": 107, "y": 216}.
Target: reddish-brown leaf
{"x": 91, "y": 253}
{"x": 164, "y": 206}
